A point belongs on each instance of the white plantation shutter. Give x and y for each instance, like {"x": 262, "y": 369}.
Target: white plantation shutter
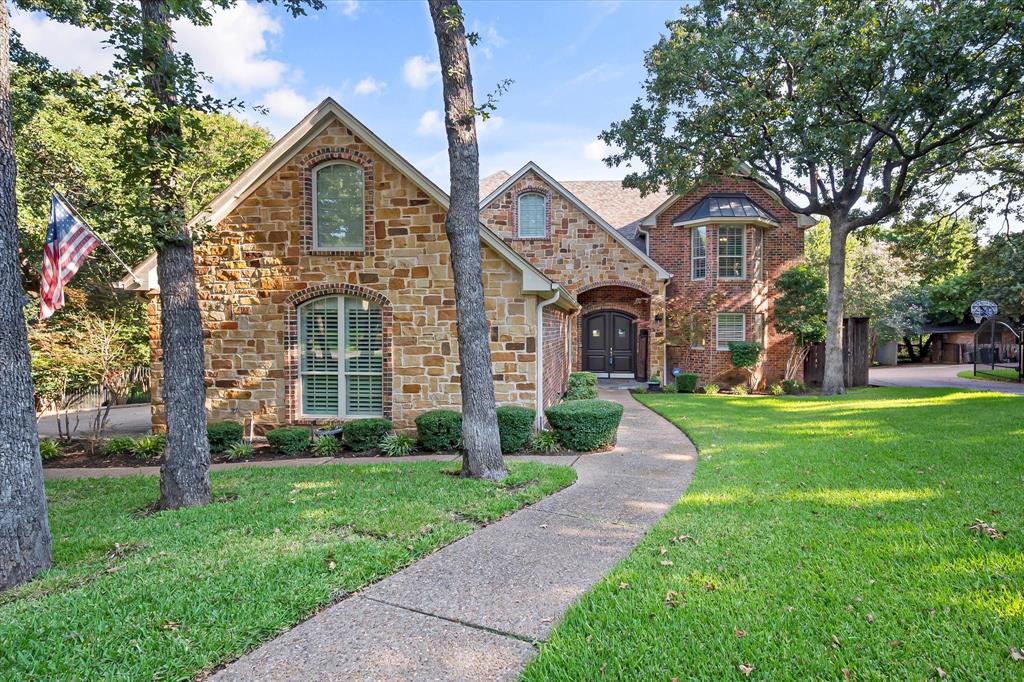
{"x": 699, "y": 252}
{"x": 532, "y": 215}
{"x": 364, "y": 358}
{"x": 731, "y": 327}
{"x": 339, "y": 385}
{"x": 318, "y": 338}
{"x": 732, "y": 252}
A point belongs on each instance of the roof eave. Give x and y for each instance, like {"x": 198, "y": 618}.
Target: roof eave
{"x": 727, "y": 220}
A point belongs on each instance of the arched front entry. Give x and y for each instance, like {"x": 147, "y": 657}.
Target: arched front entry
{"x": 609, "y": 344}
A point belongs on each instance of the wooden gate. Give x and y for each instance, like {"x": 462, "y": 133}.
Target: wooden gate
{"x": 856, "y": 356}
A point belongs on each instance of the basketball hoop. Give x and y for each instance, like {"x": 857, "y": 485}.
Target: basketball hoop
{"x": 981, "y": 310}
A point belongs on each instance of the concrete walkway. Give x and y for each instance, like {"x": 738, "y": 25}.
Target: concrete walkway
{"x": 937, "y": 376}
{"x": 474, "y": 610}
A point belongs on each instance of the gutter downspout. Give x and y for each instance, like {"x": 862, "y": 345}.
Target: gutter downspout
{"x": 539, "y": 418}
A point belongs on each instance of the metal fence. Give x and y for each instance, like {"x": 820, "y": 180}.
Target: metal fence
{"x": 96, "y": 396}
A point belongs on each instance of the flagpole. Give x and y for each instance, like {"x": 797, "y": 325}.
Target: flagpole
{"x": 75, "y": 213}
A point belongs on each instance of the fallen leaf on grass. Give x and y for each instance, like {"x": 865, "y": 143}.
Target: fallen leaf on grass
{"x": 869, "y": 618}
{"x": 710, "y": 586}
{"x": 740, "y": 633}
{"x": 673, "y": 599}
{"x": 171, "y": 625}
{"x": 623, "y": 586}
{"x": 746, "y": 669}
{"x": 665, "y": 562}
{"x": 982, "y": 528}
{"x": 1015, "y": 654}
{"x": 941, "y": 673}
{"x": 846, "y": 673}
{"x": 835, "y": 642}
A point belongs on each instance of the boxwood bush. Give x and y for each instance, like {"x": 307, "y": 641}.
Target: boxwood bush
{"x": 515, "y": 426}
{"x": 365, "y": 434}
{"x": 289, "y": 440}
{"x": 439, "y": 430}
{"x": 585, "y": 425}
{"x": 582, "y": 386}
{"x": 686, "y": 382}
{"x": 222, "y": 435}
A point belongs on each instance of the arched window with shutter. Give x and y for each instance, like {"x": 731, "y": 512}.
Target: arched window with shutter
{"x": 532, "y": 213}
{"x": 341, "y": 358}
{"x": 338, "y": 209}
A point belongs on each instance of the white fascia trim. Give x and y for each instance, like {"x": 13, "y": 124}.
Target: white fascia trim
{"x": 727, "y": 221}
{"x": 281, "y": 152}
{"x": 661, "y": 273}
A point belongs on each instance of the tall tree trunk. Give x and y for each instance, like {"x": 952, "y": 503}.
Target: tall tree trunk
{"x": 482, "y": 447}
{"x": 185, "y": 473}
{"x": 24, "y": 530}
{"x": 833, "y": 381}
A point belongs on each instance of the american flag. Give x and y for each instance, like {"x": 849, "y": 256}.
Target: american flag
{"x": 68, "y": 242}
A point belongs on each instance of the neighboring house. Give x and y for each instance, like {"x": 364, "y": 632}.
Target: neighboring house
{"x": 326, "y": 288}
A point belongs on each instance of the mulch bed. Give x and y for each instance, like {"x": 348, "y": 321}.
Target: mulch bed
{"x": 78, "y": 455}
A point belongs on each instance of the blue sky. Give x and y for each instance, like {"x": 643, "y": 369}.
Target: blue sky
{"x": 576, "y": 66}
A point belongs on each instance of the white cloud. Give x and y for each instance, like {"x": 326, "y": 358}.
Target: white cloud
{"x": 420, "y": 73}
{"x": 489, "y": 38}
{"x": 233, "y": 49}
{"x": 349, "y": 7}
{"x": 286, "y": 104}
{"x": 596, "y": 150}
{"x": 431, "y": 123}
{"x": 369, "y": 86}
{"x": 67, "y": 47}
{"x": 487, "y": 128}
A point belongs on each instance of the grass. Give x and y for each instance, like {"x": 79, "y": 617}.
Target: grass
{"x": 165, "y": 596}
{"x": 997, "y": 374}
{"x": 821, "y": 539}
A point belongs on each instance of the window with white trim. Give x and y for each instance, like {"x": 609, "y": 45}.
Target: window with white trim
{"x": 341, "y": 357}
{"x": 532, "y": 215}
{"x": 338, "y": 220}
{"x": 729, "y": 327}
{"x": 759, "y": 254}
{"x": 699, "y": 252}
{"x": 732, "y": 249}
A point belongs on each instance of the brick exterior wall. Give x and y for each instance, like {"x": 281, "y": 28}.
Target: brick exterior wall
{"x": 580, "y": 255}
{"x": 258, "y": 265}
{"x": 783, "y": 248}
{"x": 556, "y": 361}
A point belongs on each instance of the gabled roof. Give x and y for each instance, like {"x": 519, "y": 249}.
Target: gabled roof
{"x": 489, "y": 182}
{"x": 725, "y": 208}
{"x": 662, "y": 274}
{"x": 325, "y": 113}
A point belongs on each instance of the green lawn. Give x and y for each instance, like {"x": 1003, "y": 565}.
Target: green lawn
{"x": 997, "y": 374}
{"x": 139, "y": 595}
{"x": 821, "y": 536}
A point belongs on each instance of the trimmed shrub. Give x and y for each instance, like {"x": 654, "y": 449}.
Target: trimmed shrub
{"x": 711, "y": 389}
{"x": 119, "y": 445}
{"x": 222, "y": 435}
{"x": 150, "y": 446}
{"x": 515, "y": 427}
{"x": 585, "y": 425}
{"x": 289, "y": 440}
{"x": 397, "y": 445}
{"x": 240, "y": 450}
{"x": 365, "y": 434}
{"x": 439, "y": 430}
{"x": 792, "y": 387}
{"x": 582, "y": 386}
{"x": 49, "y": 449}
{"x": 776, "y": 389}
{"x": 686, "y": 382}
{"x": 544, "y": 441}
{"x": 326, "y": 446}
{"x": 745, "y": 354}
{"x": 741, "y": 389}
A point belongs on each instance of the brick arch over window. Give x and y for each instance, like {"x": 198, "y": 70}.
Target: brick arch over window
{"x": 547, "y": 210}
{"x": 614, "y": 283}
{"x": 307, "y": 169}
{"x": 291, "y": 341}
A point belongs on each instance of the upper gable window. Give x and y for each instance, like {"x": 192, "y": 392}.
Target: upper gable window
{"x": 532, "y": 215}
{"x": 338, "y": 207}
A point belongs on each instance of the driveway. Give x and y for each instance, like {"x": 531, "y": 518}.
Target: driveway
{"x": 937, "y": 376}
{"x": 128, "y": 420}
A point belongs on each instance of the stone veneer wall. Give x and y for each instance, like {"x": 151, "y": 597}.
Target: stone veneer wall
{"x": 556, "y": 360}
{"x": 783, "y": 248}
{"x": 258, "y": 264}
{"x": 578, "y": 254}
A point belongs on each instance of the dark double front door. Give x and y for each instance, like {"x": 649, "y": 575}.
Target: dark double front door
{"x": 609, "y": 343}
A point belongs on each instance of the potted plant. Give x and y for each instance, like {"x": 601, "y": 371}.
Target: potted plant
{"x": 654, "y": 383}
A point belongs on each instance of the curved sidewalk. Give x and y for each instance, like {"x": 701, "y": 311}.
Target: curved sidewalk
{"x": 472, "y": 611}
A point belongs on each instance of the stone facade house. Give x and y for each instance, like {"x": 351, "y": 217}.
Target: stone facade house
{"x": 326, "y": 288}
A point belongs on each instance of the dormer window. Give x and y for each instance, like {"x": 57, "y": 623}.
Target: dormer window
{"x": 338, "y": 217}
{"x": 532, "y": 216}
